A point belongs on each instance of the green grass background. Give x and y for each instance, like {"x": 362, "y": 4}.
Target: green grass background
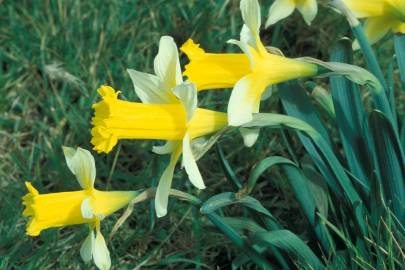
{"x": 53, "y": 57}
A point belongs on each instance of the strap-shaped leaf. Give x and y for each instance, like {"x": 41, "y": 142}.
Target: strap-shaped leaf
{"x": 351, "y": 119}
{"x": 288, "y": 241}
{"x": 399, "y": 42}
{"x": 264, "y": 165}
{"x": 229, "y": 198}
{"x": 322, "y": 154}
{"x": 391, "y": 161}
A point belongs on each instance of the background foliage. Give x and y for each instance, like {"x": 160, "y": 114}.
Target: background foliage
{"x": 53, "y": 57}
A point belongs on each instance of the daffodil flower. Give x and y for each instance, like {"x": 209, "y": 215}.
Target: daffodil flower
{"x": 249, "y": 74}
{"x": 88, "y": 206}
{"x": 381, "y": 16}
{"x": 281, "y": 9}
{"x": 168, "y": 112}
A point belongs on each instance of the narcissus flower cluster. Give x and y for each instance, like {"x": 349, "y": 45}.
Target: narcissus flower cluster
{"x": 169, "y": 111}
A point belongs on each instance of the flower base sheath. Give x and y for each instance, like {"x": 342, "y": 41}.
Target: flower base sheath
{"x": 116, "y": 119}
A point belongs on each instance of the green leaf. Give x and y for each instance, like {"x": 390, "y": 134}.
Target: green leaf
{"x": 351, "y": 119}
{"x": 391, "y": 161}
{"x": 301, "y": 187}
{"x": 260, "y": 168}
{"x": 317, "y": 188}
{"x": 399, "y": 42}
{"x": 288, "y": 241}
{"x": 299, "y": 105}
{"x": 339, "y": 183}
{"x": 229, "y": 198}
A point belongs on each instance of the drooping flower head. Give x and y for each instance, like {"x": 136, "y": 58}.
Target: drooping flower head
{"x": 381, "y": 17}
{"x": 249, "y": 74}
{"x": 168, "y": 112}
{"x": 87, "y": 206}
{"x": 281, "y": 9}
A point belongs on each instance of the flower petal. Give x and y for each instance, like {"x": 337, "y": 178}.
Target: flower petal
{"x": 165, "y": 182}
{"x": 86, "y": 209}
{"x": 167, "y": 64}
{"x": 149, "y": 88}
{"x": 376, "y": 28}
{"x": 187, "y": 93}
{"x": 245, "y": 99}
{"x": 247, "y": 37}
{"x": 167, "y": 148}
{"x": 101, "y": 255}
{"x": 190, "y": 164}
{"x": 251, "y": 15}
{"x": 249, "y": 135}
{"x": 245, "y": 48}
{"x": 81, "y": 164}
{"x": 279, "y": 10}
{"x": 86, "y": 250}
{"x": 308, "y": 9}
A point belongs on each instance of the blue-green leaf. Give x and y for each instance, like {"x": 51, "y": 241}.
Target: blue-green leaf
{"x": 351, "y": 119}
{"x": 288, "y": 241}
{"x": 229, "y": 198}
{"x": 399, "y": 41}
{"x": 391, "y": 161}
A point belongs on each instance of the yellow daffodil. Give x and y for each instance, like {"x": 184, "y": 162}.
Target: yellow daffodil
{"x": 281, "y": 9}
{"x": 168, "y": 112}
{"x": 250, "y": 74}
{"x": 381, "y": 16}
{"x": 87, "y": 206}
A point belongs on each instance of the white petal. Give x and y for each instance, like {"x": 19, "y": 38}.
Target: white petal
{"x": 81, "y": 164}
{"x": 308, "y": 9}
{"x": 167, "y": 65}
{"x": 187, "y": 93}
{"x": 149, "y": 88}
{"x": 279, "y": 10}
{"x": 249, "y": 135}
{"x": 86, "y": 250}
{"x": 101, "y": 255}
{"x": 86, "y": 209}
{"x": 165, "y": 182}
{"x": 245, "y": 99}
{"x": 247, "y": 37}
{"x": 167, "y": 148}
{"x": 245, "y": 48}
{"x": 251, "y": 15}
{"x": 190, "y": 164}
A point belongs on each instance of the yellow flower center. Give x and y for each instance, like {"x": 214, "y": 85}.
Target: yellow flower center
{"x": 116, "y": 119}
{"x": 64, "y": 208}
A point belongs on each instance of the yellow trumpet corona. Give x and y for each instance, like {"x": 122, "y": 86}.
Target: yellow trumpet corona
{"x": 64, "y": 208}
{"x": 116, "y": 119}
